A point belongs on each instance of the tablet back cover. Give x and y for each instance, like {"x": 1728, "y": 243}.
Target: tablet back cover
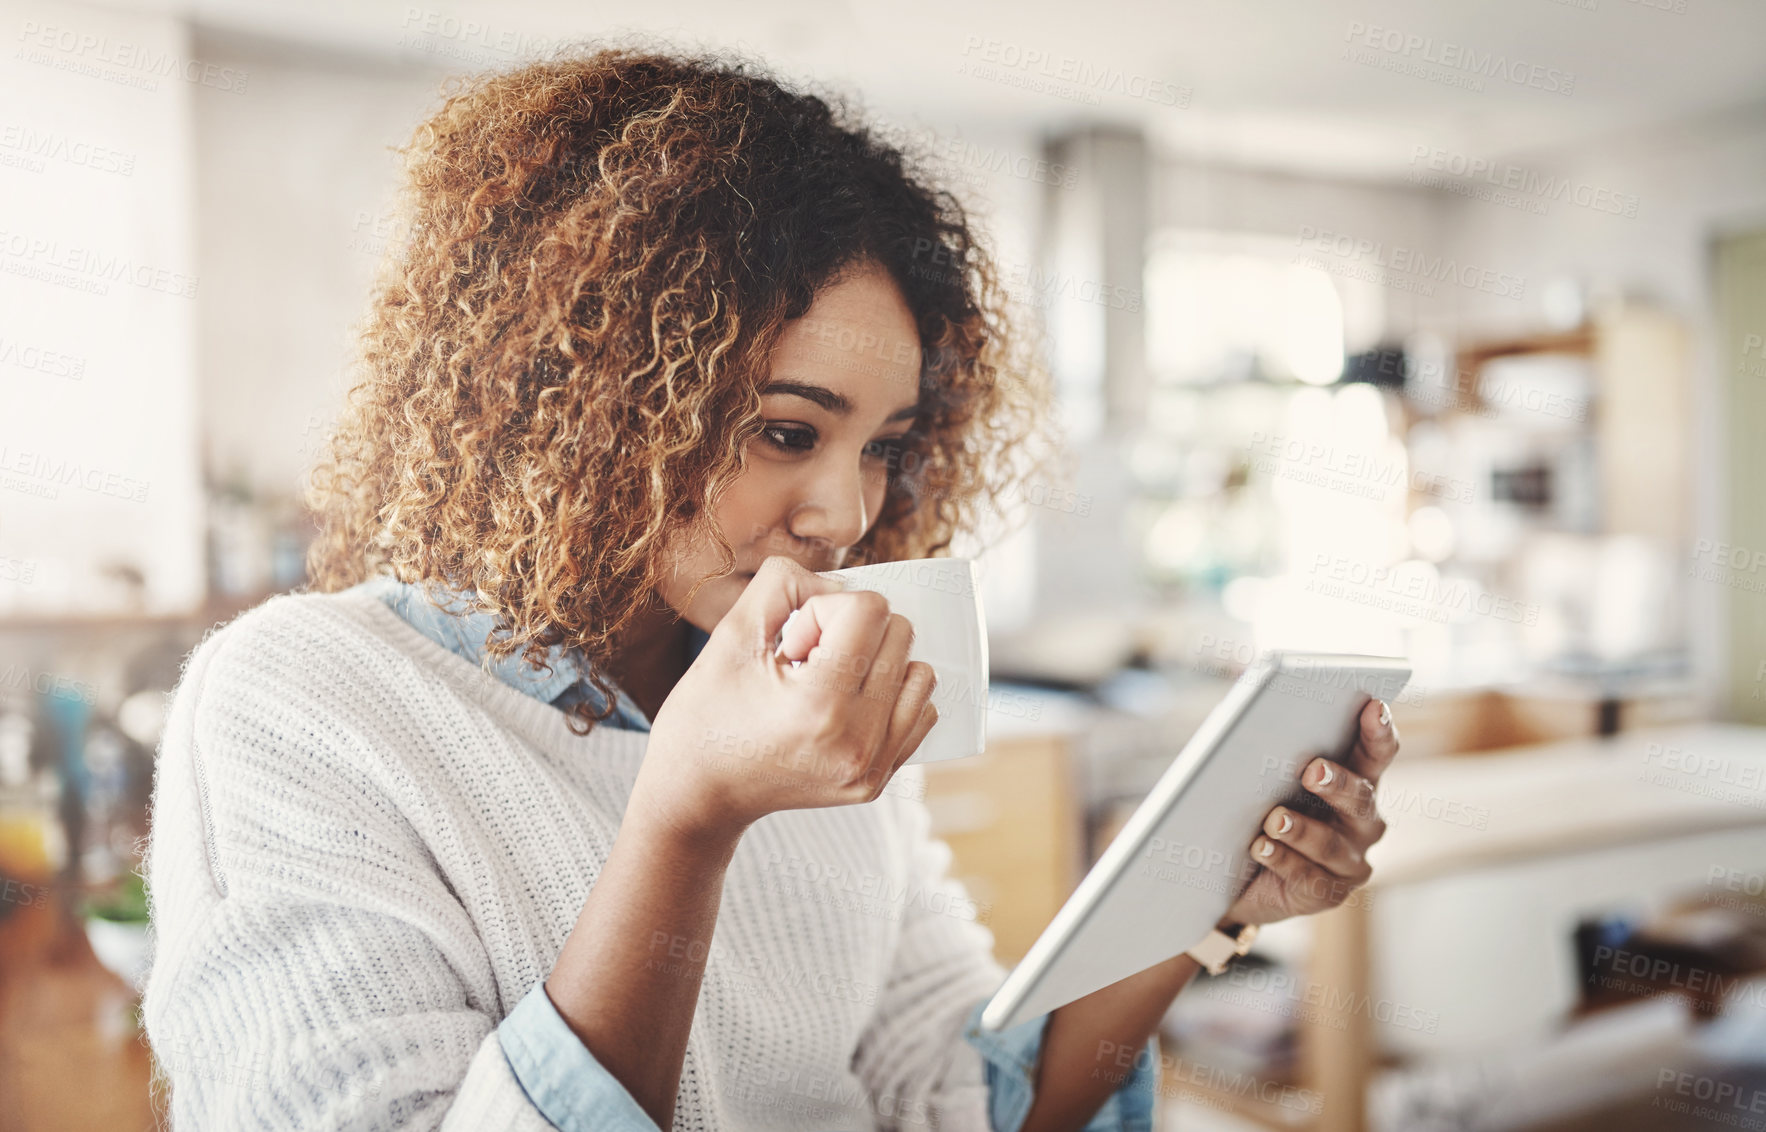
{"x": 1184, "y": 855}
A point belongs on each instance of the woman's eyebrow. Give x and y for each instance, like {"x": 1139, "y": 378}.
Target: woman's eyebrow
{"x": 836, "y": 403}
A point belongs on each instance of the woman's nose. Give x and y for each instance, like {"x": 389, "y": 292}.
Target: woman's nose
{"x": 832, "y": 514}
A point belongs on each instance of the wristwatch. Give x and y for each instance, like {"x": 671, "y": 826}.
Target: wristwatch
{"x": 1217, "y": 949}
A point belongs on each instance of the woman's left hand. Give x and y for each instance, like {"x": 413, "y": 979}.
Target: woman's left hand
{"x": 1311, "y": 864}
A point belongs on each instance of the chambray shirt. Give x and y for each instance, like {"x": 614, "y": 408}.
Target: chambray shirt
{"x": 562, "y": 1078}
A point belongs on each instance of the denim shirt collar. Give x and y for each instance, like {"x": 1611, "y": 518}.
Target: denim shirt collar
{"x": 463, "y": 631}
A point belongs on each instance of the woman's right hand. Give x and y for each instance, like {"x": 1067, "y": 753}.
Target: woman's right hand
{"x": 744, "y": 732}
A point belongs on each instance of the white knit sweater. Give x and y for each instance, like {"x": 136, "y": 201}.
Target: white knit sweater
{"x": 365, "y": 851}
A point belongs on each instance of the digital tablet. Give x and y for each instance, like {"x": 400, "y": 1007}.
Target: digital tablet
{"x": 1184, "y": 855}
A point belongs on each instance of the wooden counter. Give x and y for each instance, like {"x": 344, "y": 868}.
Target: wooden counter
{"x": 71, "y": 1057}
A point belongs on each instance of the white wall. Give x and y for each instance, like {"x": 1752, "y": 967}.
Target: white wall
{"x": 998, "y": 175}
{"x": 293, "y": 186}
{"x": 99, "y": 286}
{"x": 1301, "y": 210}
{"x": 1689, "y": 181}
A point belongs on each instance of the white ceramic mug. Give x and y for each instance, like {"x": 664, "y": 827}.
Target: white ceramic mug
{"x": 941, "y": 598}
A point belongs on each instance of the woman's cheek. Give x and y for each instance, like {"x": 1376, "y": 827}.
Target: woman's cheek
{"x": 747, "y": 515}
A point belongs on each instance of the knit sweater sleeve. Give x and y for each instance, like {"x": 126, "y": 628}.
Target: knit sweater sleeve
{"x": 914, "y": 1057}
{"x": 312, "y": 969}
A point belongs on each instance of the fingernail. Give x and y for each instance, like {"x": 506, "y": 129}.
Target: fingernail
{"x": 1284, "y": 825}
{"x": 1325, "y": 773}
{"x": 1385, "y": 714}
{"x": 1268, "y": 849}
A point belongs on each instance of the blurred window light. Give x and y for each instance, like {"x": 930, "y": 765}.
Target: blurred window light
{"x": 1431, "y": 533}
{"x": 1361, "y": 416}
{"x": 1242, "y": 598}
{"x": 1232, "y": 306}
{"x": 1312, "y": 332}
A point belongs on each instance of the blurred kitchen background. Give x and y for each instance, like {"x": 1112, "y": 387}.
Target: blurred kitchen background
{"x": 1379, "y": 327}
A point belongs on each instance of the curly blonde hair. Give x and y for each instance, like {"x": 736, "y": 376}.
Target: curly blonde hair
{"x": 561, "y": 358}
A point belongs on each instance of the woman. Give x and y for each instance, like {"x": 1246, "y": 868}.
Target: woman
{"x": 518, "y": 817}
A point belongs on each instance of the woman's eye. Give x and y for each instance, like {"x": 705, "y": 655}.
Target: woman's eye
{"x": 799, "y": 439}
{"x": 789, "y": 439}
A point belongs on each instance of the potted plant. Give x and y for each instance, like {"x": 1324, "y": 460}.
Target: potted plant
{"x": 117, "y": 926}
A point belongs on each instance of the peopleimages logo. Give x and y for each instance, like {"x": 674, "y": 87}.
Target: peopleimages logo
{"x": 976, "y": 162}
{"x": 1396, "y": 257}
{"x": 1459, "y": 57}
{"x": 37, "y": 146}
{"x": 1412, "y": 592}
{"x": 84, "y": 53}
{"x": 26, "y": 355}
{"x": 1368, "y": 475}
{"x": 1754, "y": 366}
{"x": 1080, "y": 75}
{"x": 1533, "y": 186}
{"x": 37, "y": 473}
{"x": 86, "y": 269}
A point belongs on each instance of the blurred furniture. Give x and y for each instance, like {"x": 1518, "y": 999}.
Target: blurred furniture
{"x": 1555, "y": 830}
{"x": 1476, "y": 720}
{"x": 71, "y": 1056}
{"x": 1642, "y": 418}
{"x": 216, "y": 609}
{"x": 1739, "y": 342}
{"x": 1579, "y": 447}
{"x": 1013, "y": 818}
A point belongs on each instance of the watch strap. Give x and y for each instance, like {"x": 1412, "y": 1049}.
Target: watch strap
{"x": 1218, "y": 948}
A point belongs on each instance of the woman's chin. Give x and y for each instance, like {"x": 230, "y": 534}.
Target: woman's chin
{"x": 718, "y": 598}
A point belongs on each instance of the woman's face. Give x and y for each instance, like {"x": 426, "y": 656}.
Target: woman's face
{"x": 842, "y": 392}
